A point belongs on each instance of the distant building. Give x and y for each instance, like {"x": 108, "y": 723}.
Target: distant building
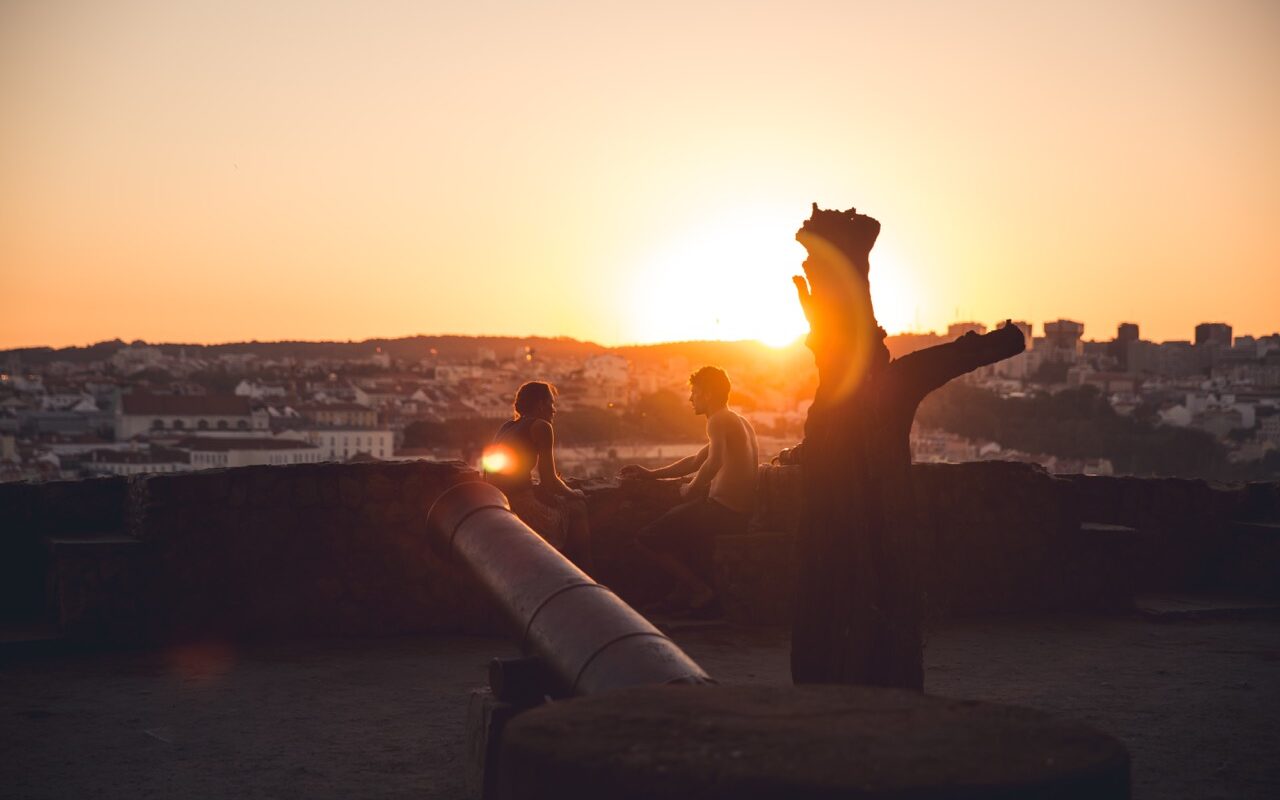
{"x": 136, "y": 462}
{"x": 1219, "y": 421}
{"x": 1216, "y": 334}
{"x": 957, "y": 329}
{"x": 63, "y": 422}
{"x": 341, "y": 443}
{"x": 211, "y": 453}
{"x": 606, "y": 382}
{"x": 1062, "y": 340}
{"x": 1176, "y": 359}
{"x": 134, "y": 358}
{"x": 1126, "y": 335}
{"x": 340, "y": 415}
{"x": 1167, "y": 359}
{"x": 259, "y": 391}
{"x": 1269, "y": 429}
{"x": 141, "y": 414}
{"x": 453, "y": 373}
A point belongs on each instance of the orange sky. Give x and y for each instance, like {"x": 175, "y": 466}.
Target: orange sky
{"x": 215, "y": 171}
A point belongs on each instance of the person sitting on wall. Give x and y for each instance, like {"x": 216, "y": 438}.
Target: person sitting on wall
{"x": 525, "y": 443}
{"x": 719, "y": 499}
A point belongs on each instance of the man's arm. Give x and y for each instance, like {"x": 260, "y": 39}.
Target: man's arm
{"x": 928, "y": 369}
{"x": 718, "y": 432}
{"x": 678, "y": 469}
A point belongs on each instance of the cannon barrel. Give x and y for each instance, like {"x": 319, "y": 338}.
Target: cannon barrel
{"x": 590, "y": 640}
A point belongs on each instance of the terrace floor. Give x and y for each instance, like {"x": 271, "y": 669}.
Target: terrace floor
{"x": 1197, "y": 702}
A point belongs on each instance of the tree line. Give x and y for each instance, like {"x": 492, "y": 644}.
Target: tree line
{"x": 1080, "y": 423}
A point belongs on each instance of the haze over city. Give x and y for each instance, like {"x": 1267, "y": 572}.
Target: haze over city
{"x": 207, "y": 172}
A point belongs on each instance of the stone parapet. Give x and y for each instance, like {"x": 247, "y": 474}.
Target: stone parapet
{"x": 324, "y": 549}
{"x": 31, "y": 512}
{"x": 308, "y": 549}
{"x": 798, "y": 742}
{"x": 341, "y": 548}
{"x": 1001, "y": 537}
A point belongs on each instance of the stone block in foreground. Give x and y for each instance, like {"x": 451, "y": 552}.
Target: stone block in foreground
{"x": 802, "y": 742}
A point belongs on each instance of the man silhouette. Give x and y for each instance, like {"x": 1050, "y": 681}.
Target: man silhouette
{"x": 720, "y": 498}
{"x": 858, "y": 603}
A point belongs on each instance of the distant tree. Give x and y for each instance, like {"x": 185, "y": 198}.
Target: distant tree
{"x": 1076, "y": 423}
{"x": 1240, "y": 434}
{"x": 1050, "y": 372}
{"x": 152, "y": 375}
{"x": 666, "y": 415}
{"x": 588, "y": 426}
{"x": 215, "y": 381}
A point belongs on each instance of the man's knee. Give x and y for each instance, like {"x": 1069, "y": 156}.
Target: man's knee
{"x": 576, "y": 508}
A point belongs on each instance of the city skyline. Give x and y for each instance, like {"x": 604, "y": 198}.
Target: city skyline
{"x": 1037, "y": 327}
{"x": 204, "y": 172}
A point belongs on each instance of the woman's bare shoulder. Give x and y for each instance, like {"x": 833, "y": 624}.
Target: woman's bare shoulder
{"x": 541, "y": 431}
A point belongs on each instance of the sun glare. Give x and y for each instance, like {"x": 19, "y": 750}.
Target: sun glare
{"x": 496, "y": 459}
{"x": 893, "y": 290}
{"x": 731, "y": 279}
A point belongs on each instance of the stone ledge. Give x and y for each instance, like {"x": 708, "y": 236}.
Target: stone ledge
{"x": 802, "y": 742}
{"x": 1004, "y": 537}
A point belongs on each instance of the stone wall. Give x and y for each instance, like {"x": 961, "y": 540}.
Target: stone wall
{"x": 1004, "y": 537}
{"x": 341, "y": 549}
{"x": 30, "y": 512}
{"x": 322, "y": 549}
{"x": 301, "y": 550}
{"x": 1190, "y": 531}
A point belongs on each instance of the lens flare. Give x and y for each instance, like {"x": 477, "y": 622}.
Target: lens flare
{"x": 496, "y": 460}
{"x": 841, "y": 312}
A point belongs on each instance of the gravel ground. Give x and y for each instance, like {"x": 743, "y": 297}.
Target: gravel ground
{"x": 1198, "y": 704}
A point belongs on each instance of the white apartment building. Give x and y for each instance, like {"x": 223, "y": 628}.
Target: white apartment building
{"x": 212, "y": 453}
{"x": 259, "y": 391}
{"x": 340, "y": 444}
{"x": 130, "y": 462}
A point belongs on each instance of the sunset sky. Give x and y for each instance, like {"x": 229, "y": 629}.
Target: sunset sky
{"x": 629, "y": 172}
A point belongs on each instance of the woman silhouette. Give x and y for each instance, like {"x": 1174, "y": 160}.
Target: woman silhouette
{"x": 523, "y": 444}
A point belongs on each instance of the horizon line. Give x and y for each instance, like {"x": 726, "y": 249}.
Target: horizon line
{"x": 796, "y": 341}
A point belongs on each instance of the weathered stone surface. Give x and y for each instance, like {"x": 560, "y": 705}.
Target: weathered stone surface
{"x": 802, "y": 742}
{"x": 1005, "y": 537}
{"x": 260, "y": 551}
{"x": 351, "y": 491}
{"x": 280, "y": 549}
{"x": 380, "y": 487}
{"x": 98, "y": 586}
{"x": 755, "y": 577}
{"x": 306, "y": 491}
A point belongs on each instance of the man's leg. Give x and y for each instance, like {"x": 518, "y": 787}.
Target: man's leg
{"x": 672, "y": 533}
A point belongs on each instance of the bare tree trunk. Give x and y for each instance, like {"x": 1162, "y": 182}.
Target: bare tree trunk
{"x": 858, "y": 606}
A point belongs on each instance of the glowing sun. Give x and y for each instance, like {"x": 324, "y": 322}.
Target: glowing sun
{"x": 731, "y": 279}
